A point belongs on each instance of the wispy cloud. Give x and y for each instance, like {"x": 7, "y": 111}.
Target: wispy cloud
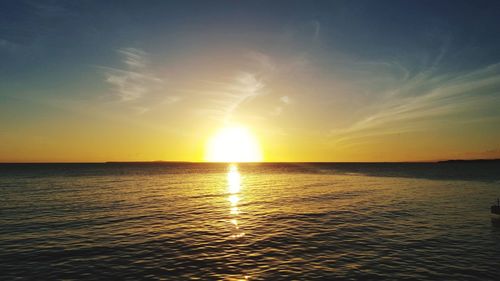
{"x": 264, "y": 63}
{"x": 316, "y": 29}
{"x": 424, "y": 99}
{"x": 135, "y": 80}
{"x": 225, "y": 100}
{"x": 8, "y": 45}
{"x": 284, "y": 101}
{"x": 229, "y": 96}
{"x": 246, "y": 87}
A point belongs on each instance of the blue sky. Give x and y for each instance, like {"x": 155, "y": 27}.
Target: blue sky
{"x": 316, "y": 80}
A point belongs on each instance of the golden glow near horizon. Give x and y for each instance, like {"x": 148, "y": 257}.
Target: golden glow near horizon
{"x": 233, "y": 144}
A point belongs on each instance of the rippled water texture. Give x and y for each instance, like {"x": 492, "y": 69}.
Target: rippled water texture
{"x": 256, "y": 222}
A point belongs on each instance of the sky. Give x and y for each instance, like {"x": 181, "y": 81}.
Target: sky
{"x": 90, "y": 81}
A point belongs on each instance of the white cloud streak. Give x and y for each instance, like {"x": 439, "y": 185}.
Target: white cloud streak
{"x": 244, "y": 87}
{"x": 135, "y": 80}
{"x": 415, "y": 102}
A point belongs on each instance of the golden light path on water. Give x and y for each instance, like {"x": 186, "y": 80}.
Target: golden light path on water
{"x": 234, "y": 188}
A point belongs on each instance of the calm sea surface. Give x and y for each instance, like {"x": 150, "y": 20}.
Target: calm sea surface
{"x": 250, "y": 221}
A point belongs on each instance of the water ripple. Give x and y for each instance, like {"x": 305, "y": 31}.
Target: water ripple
{"x": 267, "y": 222}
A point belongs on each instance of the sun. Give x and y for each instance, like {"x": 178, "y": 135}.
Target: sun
{"x": 233, "y": 144}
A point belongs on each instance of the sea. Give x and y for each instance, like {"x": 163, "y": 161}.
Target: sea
{"x": 260, "y": 221}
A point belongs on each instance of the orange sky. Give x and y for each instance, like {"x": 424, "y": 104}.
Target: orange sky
{"x": 329, "y": 82}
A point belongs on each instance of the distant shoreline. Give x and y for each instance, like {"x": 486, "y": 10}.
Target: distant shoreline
{"x": 469, "y": 161}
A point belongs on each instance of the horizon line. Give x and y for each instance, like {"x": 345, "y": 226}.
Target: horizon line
{"x": 260, "y": 162}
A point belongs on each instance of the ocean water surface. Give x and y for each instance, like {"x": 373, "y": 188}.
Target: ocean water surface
{"x": 178, "y": 221}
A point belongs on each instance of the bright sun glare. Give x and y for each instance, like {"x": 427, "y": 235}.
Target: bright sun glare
{"x": 233, "y": 144}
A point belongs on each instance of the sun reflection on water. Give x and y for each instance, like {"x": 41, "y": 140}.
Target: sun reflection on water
{"x": 233, "y": 179}
{"x": 234, "y": 184}
{"x": 233, "y": 199}
{"x": 234, "y": 188}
